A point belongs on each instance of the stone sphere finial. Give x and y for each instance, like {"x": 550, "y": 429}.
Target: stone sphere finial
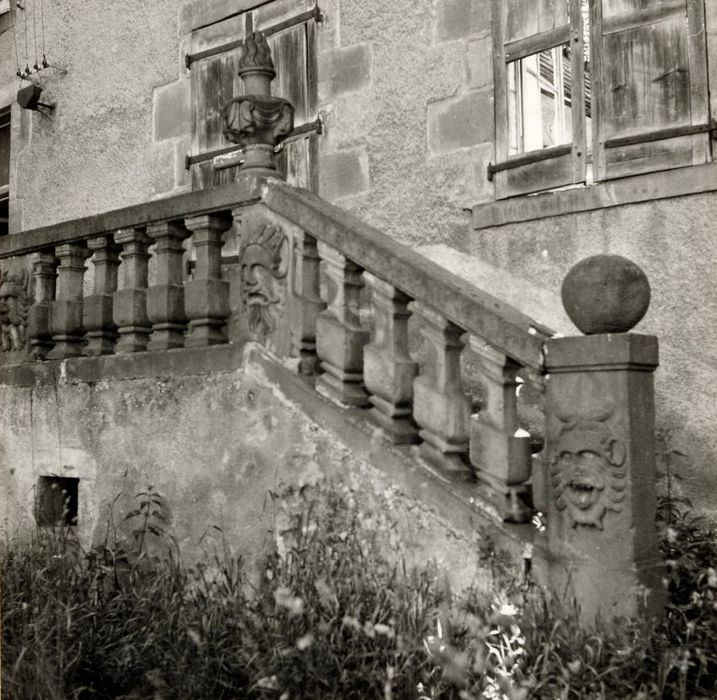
{"x": 605, "y": 294}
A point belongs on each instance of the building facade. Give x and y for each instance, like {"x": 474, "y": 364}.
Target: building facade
{"x": 504, "y": 140}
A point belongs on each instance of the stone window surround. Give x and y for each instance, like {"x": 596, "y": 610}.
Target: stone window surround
{"x": 664, "y": 184}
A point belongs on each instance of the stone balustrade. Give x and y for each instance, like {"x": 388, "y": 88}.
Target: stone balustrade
{"x": 342, "y": 298}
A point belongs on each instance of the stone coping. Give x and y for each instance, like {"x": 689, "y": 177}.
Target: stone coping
{"x": 470, "y": 308}
{"x": 243, "y": 192}
{"x": 182, "y": 361}
{"x": 665, "y": 184}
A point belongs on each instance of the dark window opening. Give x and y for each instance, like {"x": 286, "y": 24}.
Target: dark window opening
{"x": 57, "y": 500}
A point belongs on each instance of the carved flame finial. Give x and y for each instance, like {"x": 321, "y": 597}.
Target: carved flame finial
{"x": 257, "y": 121}
{"x": 256, "y": 54}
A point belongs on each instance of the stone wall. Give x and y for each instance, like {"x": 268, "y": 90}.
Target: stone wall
{"x": 209, "y": 432}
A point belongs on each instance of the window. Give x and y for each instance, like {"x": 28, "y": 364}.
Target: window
{"x": 290, "y": 28}
{"x": 57, "y": 501}
{"x": 4, "y": 169}
{"x": 596, "y": 89}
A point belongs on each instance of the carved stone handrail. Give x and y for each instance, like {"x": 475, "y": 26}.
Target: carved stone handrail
{"x": 509, "y": 331}
{"x": 210, "y": 201}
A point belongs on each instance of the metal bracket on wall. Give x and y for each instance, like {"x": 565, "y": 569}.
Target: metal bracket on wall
{"x": 318, "y": 126}
{"x": 315, "y": 14}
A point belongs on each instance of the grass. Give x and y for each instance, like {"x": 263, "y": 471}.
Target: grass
{"x": 334, "y": 617}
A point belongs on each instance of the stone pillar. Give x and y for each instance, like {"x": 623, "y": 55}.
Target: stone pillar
{"x": 440, "y": 407}
{"x": 206, "y": 295}
{"x": 499, "y": 450}
{"x": 340, "y": 339}
{"x": 44, "y": 273}
{"x": 165, "y": 300}
{"x": 100, "y": 329}
{"x": 389, "y": 370}
{"x": 309, "y": 305}
{"x": 129, "y": 308}
{"x": 600, "y": 546}
{"x": 66, "y": 310}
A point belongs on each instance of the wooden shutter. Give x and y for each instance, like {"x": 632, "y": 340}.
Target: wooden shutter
{"x": 290, "y": 26}
{"x": 523, "y": 28}
{"x": 650, "y": 96}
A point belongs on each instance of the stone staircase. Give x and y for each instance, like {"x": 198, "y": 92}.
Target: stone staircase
{"x": 368, "y": 336}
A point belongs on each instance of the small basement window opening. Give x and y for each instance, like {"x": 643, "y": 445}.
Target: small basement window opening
{"x": 57, "y": 500}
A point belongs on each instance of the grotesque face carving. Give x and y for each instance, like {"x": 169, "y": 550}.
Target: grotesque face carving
{"x": 587, "y": 470}
{"x": 264, "y": 264}
{"x": 14, "y": 308}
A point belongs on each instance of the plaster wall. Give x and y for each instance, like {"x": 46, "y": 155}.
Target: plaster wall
{"x": 214, "y": 444}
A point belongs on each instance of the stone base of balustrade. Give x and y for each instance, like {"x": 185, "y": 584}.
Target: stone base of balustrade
{"x": 38, "y": 330}
{"x": 132, "y": 339}
{"x": 166, "y": 336}
{"x": 66, "y": 346}
{"x": 511, "y": 502}
{"x": 451, "y": 458}
{"x": 205, "y": 331}
{"x": 346, "y": 388}
{"x": 100, "y": 343}
{"x": 100, "y": 330}
{"x": 397, "y": 422}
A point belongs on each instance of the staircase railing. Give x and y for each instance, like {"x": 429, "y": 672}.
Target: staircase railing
{"x": 317, "y": 284}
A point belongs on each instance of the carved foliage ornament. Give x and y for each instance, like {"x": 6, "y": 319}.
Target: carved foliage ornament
{"x": 264, "y": 261}
{"x": 587, "y": 467}
{"x": 14, "y": 309}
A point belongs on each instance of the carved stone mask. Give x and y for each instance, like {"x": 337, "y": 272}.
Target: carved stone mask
{"x": 264, "y": 265}
{"x": 588, "y": 472}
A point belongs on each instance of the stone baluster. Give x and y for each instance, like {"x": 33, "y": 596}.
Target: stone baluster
{"x": 165, "y": 300}
{"x": 499, "y": 450}
{"x": 340, "y": 339}
{"x": 206, "y": 295}
{"x": 308, "y": 304}
{"x": 44, "y": 273}
{"x": 440, "y": 407}
{"x": 600, "y": 546}
{"x": 100, "y": 329}
{"x": 129, "y": 308}
{"x": 66, "y": 310}
{"x": 389, "y": 370}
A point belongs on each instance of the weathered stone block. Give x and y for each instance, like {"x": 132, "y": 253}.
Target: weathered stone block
{"x": 344, "y": 173}
{"x": 480, "y": 62}
{"x": 130, "y": 308}
{"x": 171, "y": 113}
{"x": 66, "y": 317}
{"x": 456, "y": 19}
{"x": 66, "y": 328}
{"x": 206, "y": 298}
{"x": 341, "y": 346}
{"x": 344, "y": 70}
{"x": 460, "y": 122}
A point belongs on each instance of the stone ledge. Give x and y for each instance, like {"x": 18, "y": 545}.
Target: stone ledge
{"x": 695, "y": 179}
{"x": 216, "y": 358}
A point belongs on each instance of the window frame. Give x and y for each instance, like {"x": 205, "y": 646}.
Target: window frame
{"x": 536, "y": 170}
{"x": 555, "y": 166}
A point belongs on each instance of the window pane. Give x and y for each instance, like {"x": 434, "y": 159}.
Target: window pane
{"x": 539, "y": 106}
